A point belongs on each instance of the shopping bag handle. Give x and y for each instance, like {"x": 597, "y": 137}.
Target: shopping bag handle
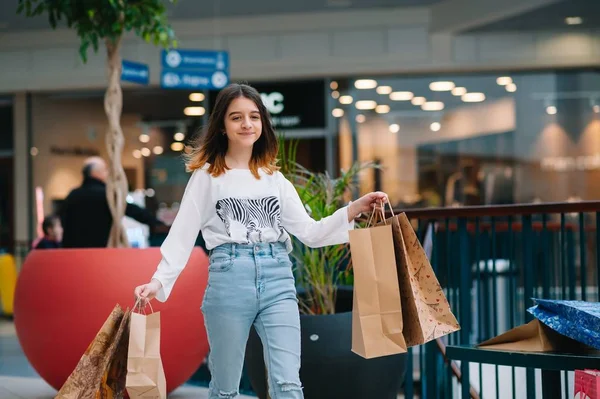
{"x": 141, "y": 309}
{"x": 381, "y": 207}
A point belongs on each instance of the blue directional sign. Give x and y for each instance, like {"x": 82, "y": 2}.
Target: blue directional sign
{"x": 135, "y": 72}
{"x": 194, "y": 69}
{"x": 174, "y": 79}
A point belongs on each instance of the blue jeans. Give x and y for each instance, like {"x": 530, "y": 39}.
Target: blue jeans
{"x": 252, "y": 284}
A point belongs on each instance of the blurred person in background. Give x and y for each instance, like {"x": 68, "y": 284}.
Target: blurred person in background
{"x": 86, "y": 215}
{"x": 53, "y": 233}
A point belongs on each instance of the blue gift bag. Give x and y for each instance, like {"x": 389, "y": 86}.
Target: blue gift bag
{"x": 575, "y": 319}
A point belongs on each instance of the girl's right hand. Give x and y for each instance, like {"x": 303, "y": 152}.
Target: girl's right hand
{"x": 147, "y": 292}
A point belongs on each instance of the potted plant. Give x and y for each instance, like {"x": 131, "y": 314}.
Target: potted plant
{"x": 323, "y": 276}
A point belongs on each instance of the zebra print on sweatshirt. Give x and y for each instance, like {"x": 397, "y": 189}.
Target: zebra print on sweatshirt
{"x": 254, "y": 214}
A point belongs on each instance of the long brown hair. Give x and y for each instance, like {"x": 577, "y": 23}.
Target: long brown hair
{"x": 212, "y": 146}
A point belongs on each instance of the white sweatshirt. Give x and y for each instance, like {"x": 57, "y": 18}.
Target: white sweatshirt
{"x": 238, "y": 208}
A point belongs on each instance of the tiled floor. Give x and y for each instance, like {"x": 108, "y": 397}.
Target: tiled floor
{"x": 18, "y": 380}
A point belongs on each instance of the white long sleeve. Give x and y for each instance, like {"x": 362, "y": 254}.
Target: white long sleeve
{"x": 331, "y": 230}
{"x": 238, "y": 208}
{"x": 177, "y": 247}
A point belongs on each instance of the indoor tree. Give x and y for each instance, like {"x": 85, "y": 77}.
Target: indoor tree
{"x": 96, "y": 21}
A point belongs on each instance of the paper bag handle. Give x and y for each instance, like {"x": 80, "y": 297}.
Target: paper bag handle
{"x": 141, "y": 309}
{"x": 382, "y": 211}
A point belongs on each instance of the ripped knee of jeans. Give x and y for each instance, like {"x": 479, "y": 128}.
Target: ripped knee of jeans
{"x": 227, "y": 395}
{"x": 287, "y": 386}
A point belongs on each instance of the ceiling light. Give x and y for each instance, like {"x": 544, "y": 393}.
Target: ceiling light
{"x": 504, "y": 80}
{"x": 360, "y": 118}
{"x": 196, "y": 96}
{"x": 596, "y": 109}
{"x": 333, "y": 85}
{"x": 459, "y": 91}
{"x": 473, "y": 97}
{"x": 146, "y": 152}
{"x": 418, "y": 101}
{"x": 365, "y": 84}
{"x": 435, "y": 126}
{"x": 337, "y": 112}
{"x": 158, "y": 150}
{"x": 441, "y": 86}
{"x": 194, "y": 111}
{"x": 177, "y": 146}
{"x": 382, "y": 109}
{"x": 384, "y": 89}
{"x": 178, "y": 136}
{"x": 433, "y": 106}
{"x": 34, "y": 151}
{"x": 573, "y": 20}
{"x": 551, "y": 110}
{"x": 401, "y": 95}
{"x": 394, "y": 128}
{"x": 346, "y": 100}
{"x": 137, "y": 154}
{"x": 366, "y": 104}
{"x": 144, "y": 138}
{"x": 335, "y": 94}
{"x": 511, "y": 87}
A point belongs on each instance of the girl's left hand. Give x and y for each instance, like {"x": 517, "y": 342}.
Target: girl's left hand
{"x": 366, "y": 203}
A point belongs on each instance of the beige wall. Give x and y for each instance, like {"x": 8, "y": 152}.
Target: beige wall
{"x": 397, "y": 151}
{"x": 68, "y": 123}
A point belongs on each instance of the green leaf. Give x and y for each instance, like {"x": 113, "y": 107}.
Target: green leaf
{"x": 20, "y": 7}
{"x": 83, "y": 50}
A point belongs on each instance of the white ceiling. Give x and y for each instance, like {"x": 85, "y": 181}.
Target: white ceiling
{"x": 198, "y": 9}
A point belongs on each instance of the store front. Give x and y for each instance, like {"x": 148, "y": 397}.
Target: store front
{"x": 474, "y": 139}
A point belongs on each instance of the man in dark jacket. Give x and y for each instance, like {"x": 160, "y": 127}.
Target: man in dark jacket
{"x": 86, "y": 216}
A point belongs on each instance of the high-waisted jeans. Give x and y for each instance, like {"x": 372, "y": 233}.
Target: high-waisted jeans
{"x": 252, "y": 284}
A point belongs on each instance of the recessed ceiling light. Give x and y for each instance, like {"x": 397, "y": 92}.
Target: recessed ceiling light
{"x": 177, "y": 146}
{"x": 435, "y": 126}
{"x": 551, "y": 110}
{"x": 504, "y": 80}
{"x": 418, "y": 100}
{"x": 145, "y": 152}
{"x": 573, "y": 20}
{"x": 596, "y": 109}
{"x": 473, "y": 97}
{"x": 459, "y": 91}
{"x": 366, "y": 104}
{"x": 384, "y": 89}
{"x": 335, "y": 94}
{"x": 511, "y": 87}
{"x": 158, "y": 150}
{"x": 441, "y": 86}
{"x": 365, "y": 84}
{"x": 394, "y": 128}
{"x": 333, "y": 85}
{"x": 196, "y": 97}
{"x": 401, "y": 95}
{"x": 360, "y": 118}
{"x": 194, "y": 111}
{"x": 137, "y": 154}
{"x": 144, "y": 138}
{"x": 382, "y": 109}
{"x": 337, "y": 112}
{"x": 433, "y": 106}
{"x": 179, "y": 136}
{"x": 346, "y": 100}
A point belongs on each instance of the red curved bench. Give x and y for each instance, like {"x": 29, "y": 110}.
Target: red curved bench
{"x": 63, "y": 296}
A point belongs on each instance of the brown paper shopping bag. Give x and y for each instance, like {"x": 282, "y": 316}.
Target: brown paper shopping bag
{"x": 532, "y": 337}
{"x": 145, "y": 373}
{"x": 426, "y": 312}
{"x": 100, "y": 373}
{"x": 376, "y": 312}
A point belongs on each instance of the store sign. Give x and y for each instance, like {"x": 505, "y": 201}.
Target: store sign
{"x": 568, "y": 164}
{"x": 293, "y": 105}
